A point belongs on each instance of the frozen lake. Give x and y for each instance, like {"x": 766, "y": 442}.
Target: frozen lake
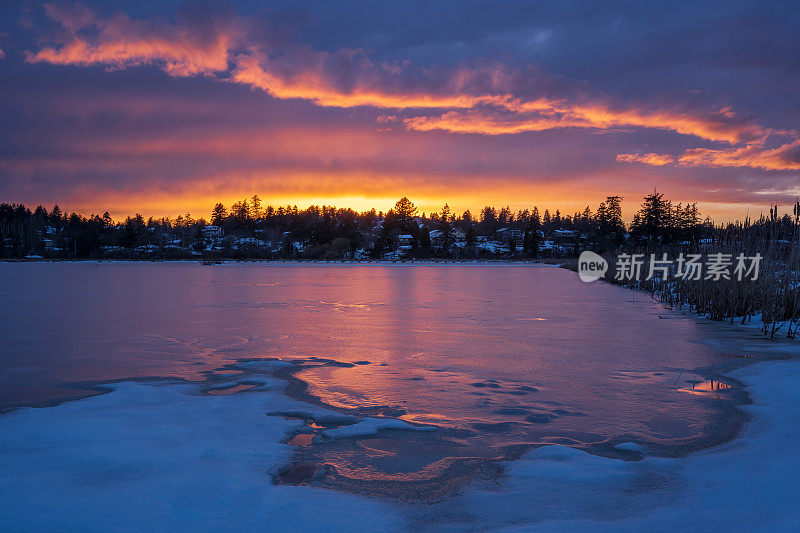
{"x": 496, "y": 357}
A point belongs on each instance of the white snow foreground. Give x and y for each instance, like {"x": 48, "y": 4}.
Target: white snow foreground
{"x": 748, "y": 484}
{"x": 160, "y": 456}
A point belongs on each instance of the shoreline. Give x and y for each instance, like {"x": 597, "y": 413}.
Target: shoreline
{"x": 729, "y": 426}
{"x": 216, "y": 262}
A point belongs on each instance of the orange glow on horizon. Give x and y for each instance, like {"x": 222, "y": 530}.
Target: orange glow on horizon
{"x": 200, "y": 206}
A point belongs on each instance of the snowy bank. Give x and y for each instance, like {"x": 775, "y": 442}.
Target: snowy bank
{"x": 160, "y": 456}
{"x": 164, "y": 456}
{"x": 748, "y": 484}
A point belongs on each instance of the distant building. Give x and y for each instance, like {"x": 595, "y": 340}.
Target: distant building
{"x": 147, "y": 248}
{"x": 212, "y": 231}
{"x": 510, "y": 234}
{"x": 458, "y": 235}
{"x": 404, "y": 240}
{"x": 250, "y": 241}
{"x": 565, "y": 241}
{"x": 564, "y": 235}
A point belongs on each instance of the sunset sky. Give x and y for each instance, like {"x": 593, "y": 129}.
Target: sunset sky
{"x": 162, "y": 108}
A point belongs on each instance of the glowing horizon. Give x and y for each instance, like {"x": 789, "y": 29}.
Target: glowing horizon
{"x": 168, "y": 109}
{"x": 201, "y": 208}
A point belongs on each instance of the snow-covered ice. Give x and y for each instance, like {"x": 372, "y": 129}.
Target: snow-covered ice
{"x": 163, "y": 456}
{"x": 160, "y": 456}
{"x": 748, "y": 484}
{"x": 371, "y": 426}
{"x": 630, "y": 447}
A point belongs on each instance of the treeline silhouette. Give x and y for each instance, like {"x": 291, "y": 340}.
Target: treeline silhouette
{"x": 770, "y": 299}
{"x": 249, "y": 230}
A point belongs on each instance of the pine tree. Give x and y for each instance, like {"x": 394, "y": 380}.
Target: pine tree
{"x": 445, "y": 226}
{"x": 533, "y": 233}
{"x": 255, "y": 207}
{"x": 653, "y": 220}
{"x": 505, "y": 217}
{"x": 405, "y": 211}
{"x": 241, "y": 210}
{"x": 218, "y": 214}
{"x": 488, "y": 220}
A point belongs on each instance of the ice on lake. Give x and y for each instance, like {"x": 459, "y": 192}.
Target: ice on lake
{"x": 486, "y": 360}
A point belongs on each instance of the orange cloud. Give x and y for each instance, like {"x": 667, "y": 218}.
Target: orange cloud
{"x": 755, "y": 155}
{"x": 647, "y": 159}
{"x": 544, "y": 114}
{"x": 752, "y": 155}
{"x": 484, "y": 99}
{"x": 345, "y": 78}
{"x": 119, "y": 42}
{"x": 314, "y": 81}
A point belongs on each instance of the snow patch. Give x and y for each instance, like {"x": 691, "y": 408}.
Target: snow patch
{"x": 371, "y": 426}
{"x": 631, "y": 447}
{"x": 158, "y": 456}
